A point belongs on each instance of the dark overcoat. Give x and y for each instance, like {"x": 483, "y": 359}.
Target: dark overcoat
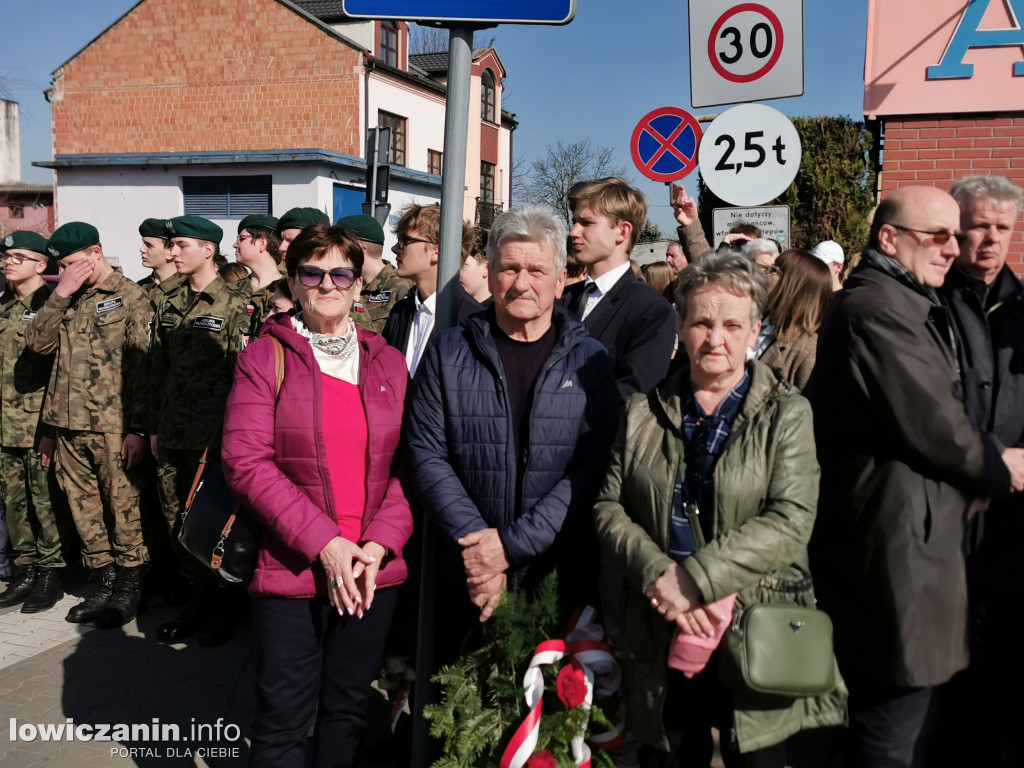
{"x": 900, "y": 462}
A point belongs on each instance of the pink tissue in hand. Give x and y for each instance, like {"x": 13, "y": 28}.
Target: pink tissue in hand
{"x": 690, "y": 653}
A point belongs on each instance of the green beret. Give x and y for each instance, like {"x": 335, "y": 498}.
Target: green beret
{"x": 22, "y": 238}
{"x": 258, "y": 220}
{"x": 363, "y": 227}
{"x": 193, "y": 226}
{"x": 71, "y": 238}
{"x": 153, "y": 228}
{"x": 297, "y": 218}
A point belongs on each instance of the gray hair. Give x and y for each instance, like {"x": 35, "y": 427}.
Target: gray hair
{"x": 536, "y": 223}
{"x": 992, "y": 187}
{"x": 759, "y": 245}
{"x": 733, "y": 271}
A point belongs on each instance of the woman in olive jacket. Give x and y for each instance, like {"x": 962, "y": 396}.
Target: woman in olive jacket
{"x": 759, "y": 498}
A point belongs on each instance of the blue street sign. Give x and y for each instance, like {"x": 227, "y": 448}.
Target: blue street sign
{"x": 470, "y": 11}
{"x": 664, "y": 144}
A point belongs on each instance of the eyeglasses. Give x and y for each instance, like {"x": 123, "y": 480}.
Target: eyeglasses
{"x": 242, "y": 239}
{"x": 404, "y": 241}
{"x": 15, "y": 258}
{"x": 940, "y": 237}
{"x": 770, "y": 269}
{"x": 311, "y": 277}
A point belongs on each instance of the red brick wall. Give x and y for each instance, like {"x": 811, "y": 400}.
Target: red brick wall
{"x": 208, "y": 75}
{"x": 936, "y": 151}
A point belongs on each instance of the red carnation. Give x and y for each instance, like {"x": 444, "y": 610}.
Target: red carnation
{"x": 542, "y": 759}
{"x": 571, "y": 685}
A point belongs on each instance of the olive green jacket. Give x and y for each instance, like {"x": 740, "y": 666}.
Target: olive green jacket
{"x": 766, "y": 491}
{"x": 23, "y": 372}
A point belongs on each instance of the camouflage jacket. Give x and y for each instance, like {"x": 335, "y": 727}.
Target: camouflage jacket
{"x": 258, "y": 301}
{"x": 378, "y": 297}
{"x": 23, "y": 372}
{"x": 100, "y": 380}
{"x": 194, "y": 351}
{"x": 156, "y": 290}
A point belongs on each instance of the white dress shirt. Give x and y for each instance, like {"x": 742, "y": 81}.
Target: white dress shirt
{"x": 604, "y": 284}
{"x": 419, "y": 333}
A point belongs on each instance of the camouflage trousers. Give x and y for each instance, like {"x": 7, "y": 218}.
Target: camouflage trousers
{"x": 175, "y": 471}
{"x": 104, "y": 497}
{"x": 30, "y": 516}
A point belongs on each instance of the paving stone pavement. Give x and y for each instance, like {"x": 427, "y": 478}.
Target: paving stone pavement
{"x": 51, "y": 670}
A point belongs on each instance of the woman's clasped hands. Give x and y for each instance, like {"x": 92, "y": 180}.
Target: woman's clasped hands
{"x": 351, "y": 572}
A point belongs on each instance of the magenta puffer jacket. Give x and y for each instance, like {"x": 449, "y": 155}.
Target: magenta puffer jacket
{"x": 276, "y": 463}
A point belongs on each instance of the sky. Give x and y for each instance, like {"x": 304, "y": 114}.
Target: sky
{"x": 593, "y": 78}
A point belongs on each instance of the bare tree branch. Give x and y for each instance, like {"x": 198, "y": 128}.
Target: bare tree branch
{"x": 549, "y": 177}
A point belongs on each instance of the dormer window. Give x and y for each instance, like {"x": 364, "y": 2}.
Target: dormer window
{"x": 389, "y": 43}
{"x": 487, "y": 97}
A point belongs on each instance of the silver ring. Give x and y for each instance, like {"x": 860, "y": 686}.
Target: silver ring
{"x": 339, "y": 582}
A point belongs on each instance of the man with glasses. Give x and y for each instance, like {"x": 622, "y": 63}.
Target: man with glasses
{"x": 411, "y": 322}
{"x": 258, "y": 250}
{"x": 201, "y": 327}
{"x": 901, "y": 464}
{"x": 23, "y": 378}
{"x": 382, "y": 287}
{"x": 99, "y": 323}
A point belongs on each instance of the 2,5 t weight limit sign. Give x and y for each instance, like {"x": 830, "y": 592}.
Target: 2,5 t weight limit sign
{"x": 746, "y": 51}
{"x": 750, "y": 154}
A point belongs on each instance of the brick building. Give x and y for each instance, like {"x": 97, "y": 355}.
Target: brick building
{"x": 944, "y": 81}
{"x": 229, "y": 107}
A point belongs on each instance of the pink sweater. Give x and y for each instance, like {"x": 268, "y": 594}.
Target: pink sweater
{"x": 276, "y": 461}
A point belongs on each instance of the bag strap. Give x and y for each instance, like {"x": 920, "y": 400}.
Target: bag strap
{"x": 197, "y": 481}
{"x": 278, "y": 364}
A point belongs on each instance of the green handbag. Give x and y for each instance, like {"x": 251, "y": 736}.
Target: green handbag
{"x": 779, "y": 649}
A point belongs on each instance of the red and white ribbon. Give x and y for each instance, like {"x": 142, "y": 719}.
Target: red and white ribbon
{"x": 586, "y": 651}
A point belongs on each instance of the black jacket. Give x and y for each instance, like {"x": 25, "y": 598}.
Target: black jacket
{"x": 900, "y": 462}
{"x": 636, "y": 326}
{"x": 396, "y": 330}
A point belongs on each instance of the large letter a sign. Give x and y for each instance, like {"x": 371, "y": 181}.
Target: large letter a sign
{"x": 968, "y": 35}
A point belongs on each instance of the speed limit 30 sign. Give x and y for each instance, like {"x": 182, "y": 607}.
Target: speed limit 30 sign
{"x": 751, "y": 51}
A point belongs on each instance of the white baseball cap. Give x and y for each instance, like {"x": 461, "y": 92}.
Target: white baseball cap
{"x": 830, "y": 252}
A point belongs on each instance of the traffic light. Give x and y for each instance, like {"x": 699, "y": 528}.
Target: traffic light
{"x": 378, "y": 172}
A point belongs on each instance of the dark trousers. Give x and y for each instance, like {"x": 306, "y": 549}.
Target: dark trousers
{"x": 885, "y": 722}
{"x": 313, "y": 663}
{"x": 697, "y": 704}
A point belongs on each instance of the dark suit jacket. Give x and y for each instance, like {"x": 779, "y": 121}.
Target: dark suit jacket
{"x": 396, "y": 330}
{"x": 636, "y": 326}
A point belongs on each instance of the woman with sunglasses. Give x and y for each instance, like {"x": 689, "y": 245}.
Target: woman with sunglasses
{"x": 312, "y": 458}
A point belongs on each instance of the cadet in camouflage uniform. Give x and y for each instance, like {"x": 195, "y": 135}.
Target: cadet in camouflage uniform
{"x": 156, "y": 255}
{"x": 202, "y": 325}
{"x": 382, "y": 287}
{"x": 23, "y": 378}
{"x": 99, "y": 324}
{"x": 257, "y": 249}
{"x": 293, "y": 222}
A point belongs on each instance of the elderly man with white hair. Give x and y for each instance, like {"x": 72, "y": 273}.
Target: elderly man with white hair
{"x": 509, "y": 432}
{"x": 987, "y": 300}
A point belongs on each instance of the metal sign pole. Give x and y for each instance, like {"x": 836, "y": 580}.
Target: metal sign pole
{"x": 453, "y": 183}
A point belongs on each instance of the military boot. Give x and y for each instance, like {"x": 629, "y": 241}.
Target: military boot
{"x": 20, "y": 588}
{"x": 46, "y": 592}
{"x": 92, "y": 605}
{"x": 124, "y": 604}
